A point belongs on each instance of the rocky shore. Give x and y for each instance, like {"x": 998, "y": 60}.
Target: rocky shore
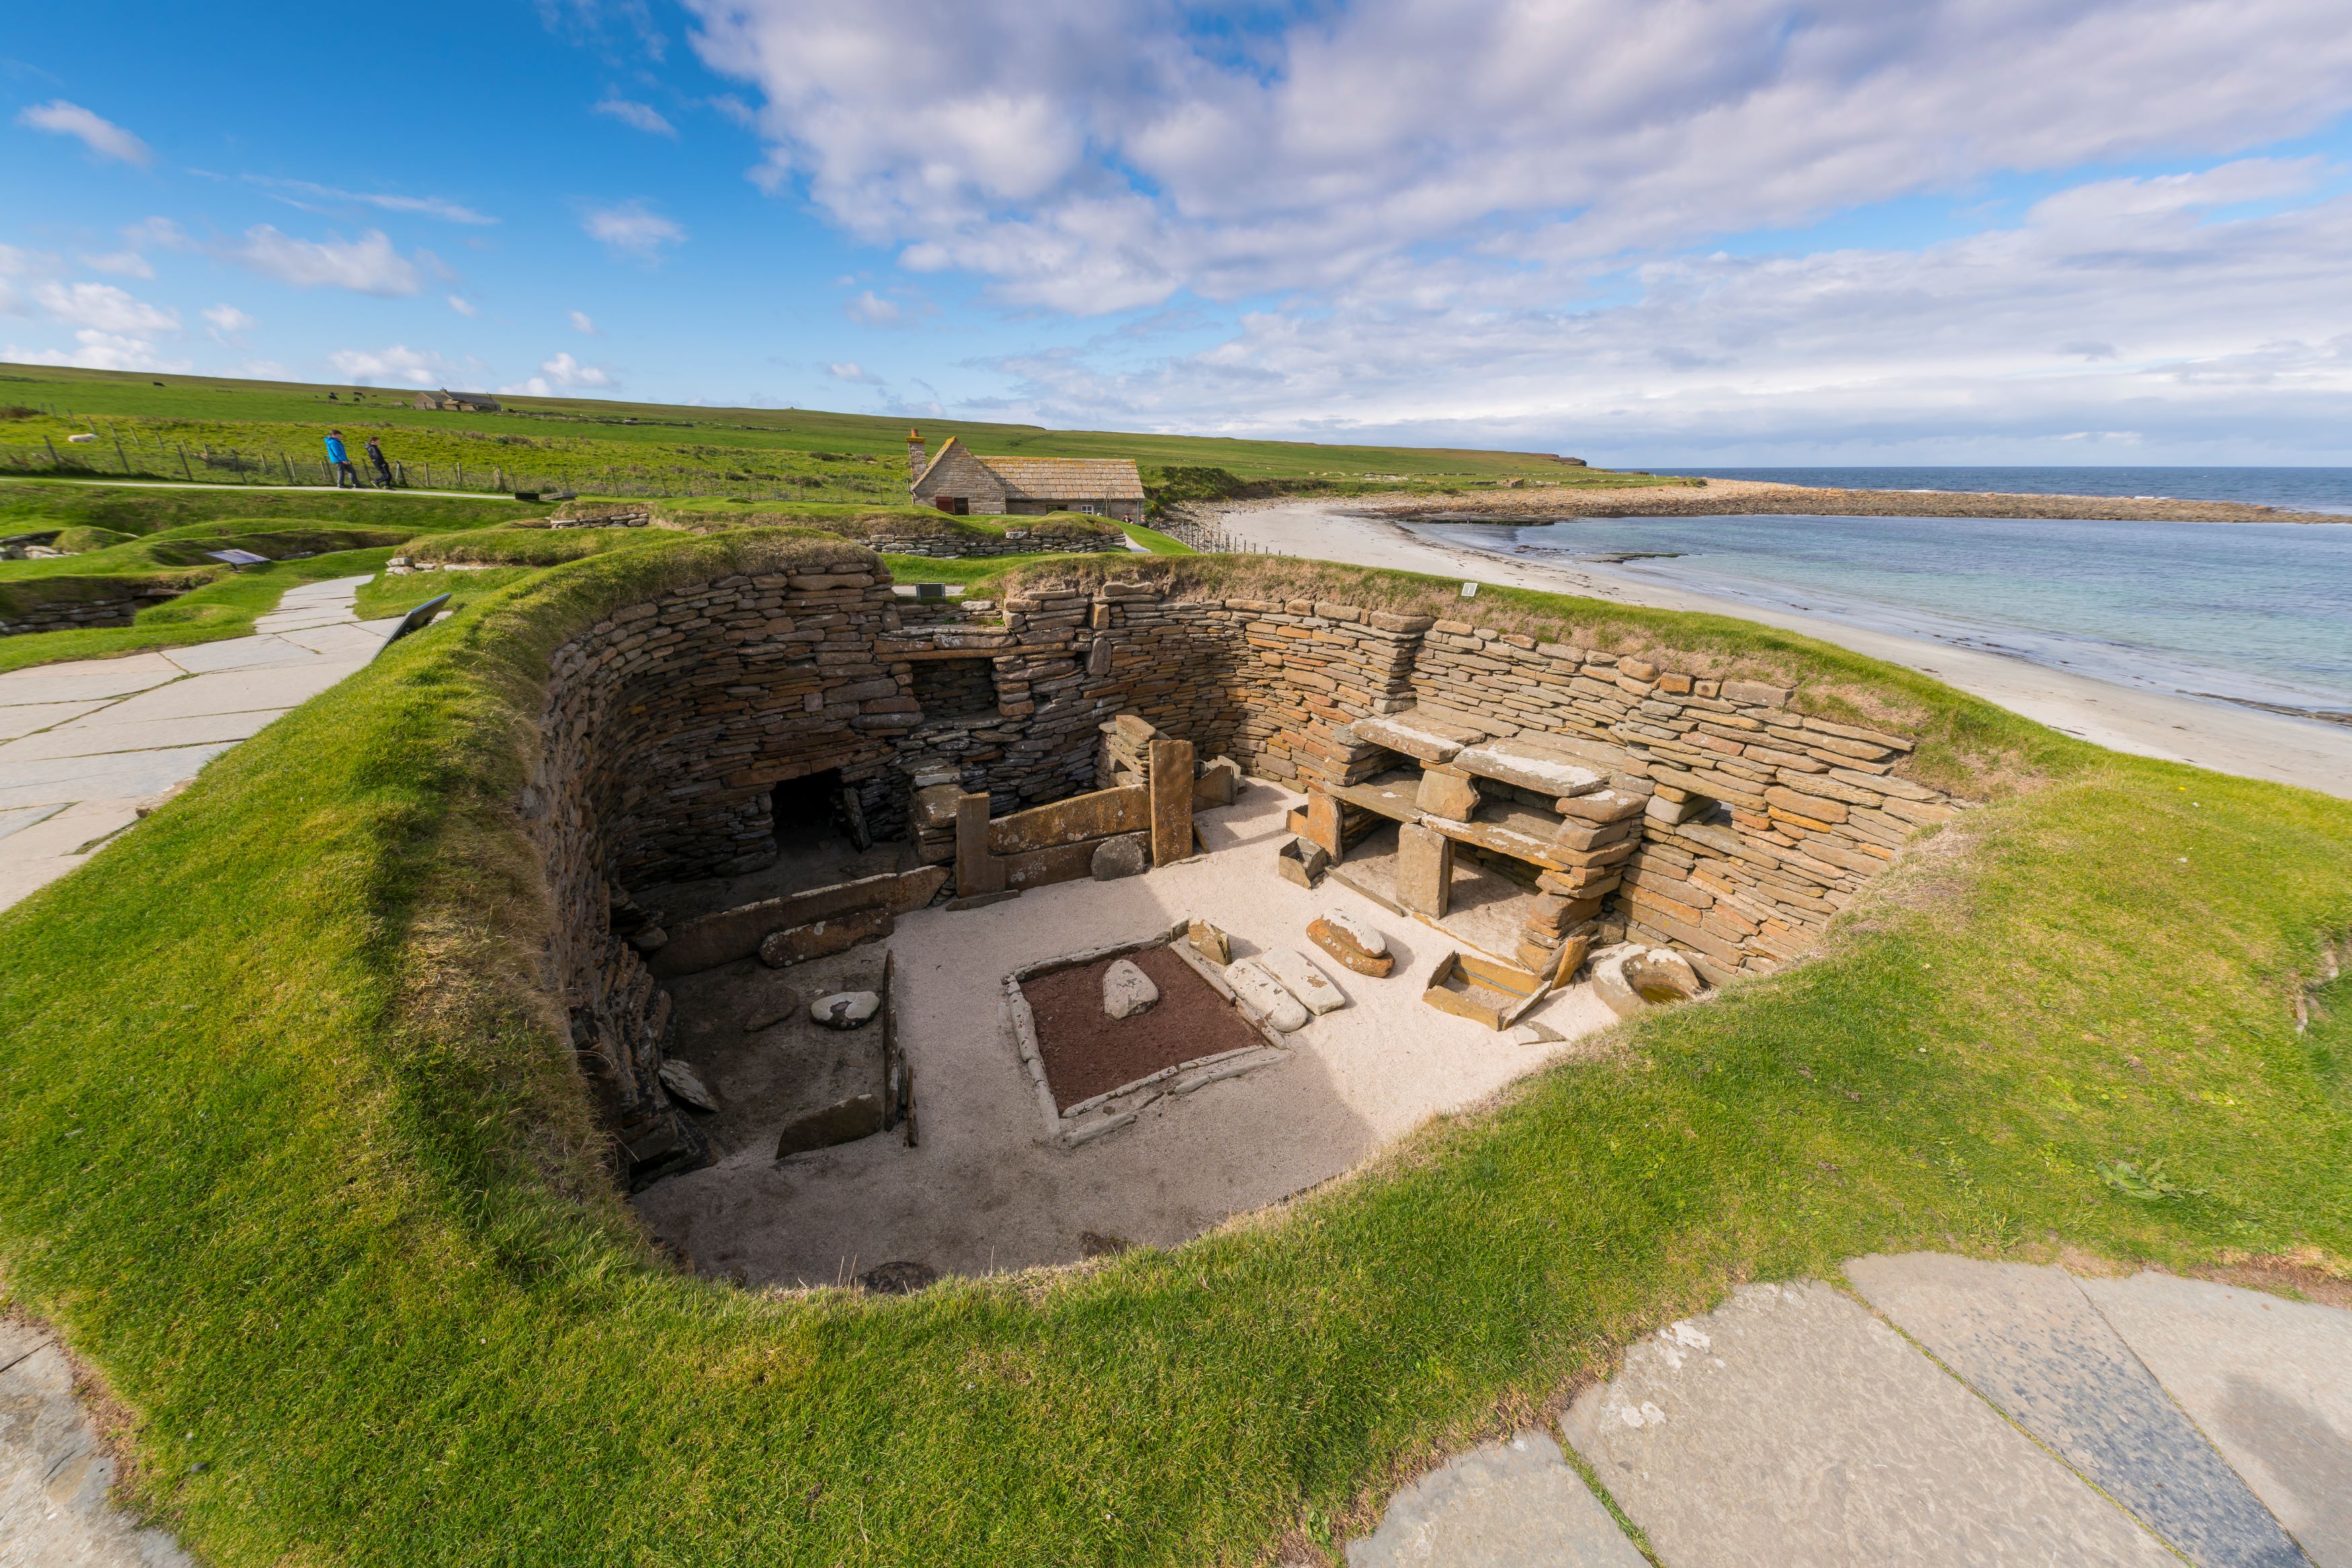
{"x": 1727, "y": 497}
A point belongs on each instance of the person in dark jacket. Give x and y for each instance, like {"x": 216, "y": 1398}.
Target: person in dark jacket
{"x": 376, "y": 462}
{"x": 342, "y": 462}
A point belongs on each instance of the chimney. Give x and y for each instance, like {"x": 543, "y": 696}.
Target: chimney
{"x": 915, "y": 459}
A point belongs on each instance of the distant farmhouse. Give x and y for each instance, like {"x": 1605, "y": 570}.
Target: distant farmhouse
{"x": 959, "y": 480}
{"x": 458, "y": 402}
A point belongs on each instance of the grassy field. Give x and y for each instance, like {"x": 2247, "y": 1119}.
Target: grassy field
{"x": 296, "y": 1158}
{"x": 144, "y": 423}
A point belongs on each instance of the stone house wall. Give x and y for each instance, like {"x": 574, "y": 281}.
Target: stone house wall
{"x": 669, "y": 722}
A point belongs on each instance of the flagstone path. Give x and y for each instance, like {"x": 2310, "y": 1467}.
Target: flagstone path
{"x": 1959, "y": 1412}
{"x": 88, "y": 747}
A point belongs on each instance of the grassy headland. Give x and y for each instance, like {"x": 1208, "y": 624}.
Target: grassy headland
{"x": 294, "y": 1153}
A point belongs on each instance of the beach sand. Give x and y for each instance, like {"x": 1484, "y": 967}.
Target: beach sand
{"x": 2220, "y": 736}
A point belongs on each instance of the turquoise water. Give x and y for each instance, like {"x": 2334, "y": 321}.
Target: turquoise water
{"x": 2247, "y": 611}
{"x": 2296, "y": 489}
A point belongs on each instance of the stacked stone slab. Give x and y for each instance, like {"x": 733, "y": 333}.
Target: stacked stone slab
{"x": 117, "y": 609}
{"x": 669, "y": 722}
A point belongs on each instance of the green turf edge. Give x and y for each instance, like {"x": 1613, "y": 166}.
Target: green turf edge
{"x": 292, "y": 1152}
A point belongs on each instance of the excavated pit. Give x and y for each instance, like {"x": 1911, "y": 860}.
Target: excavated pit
{"x": 772, "y": 786}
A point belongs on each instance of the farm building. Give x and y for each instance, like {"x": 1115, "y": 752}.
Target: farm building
{"x": 458, "y": 402}
{"x": 959, "y": 480}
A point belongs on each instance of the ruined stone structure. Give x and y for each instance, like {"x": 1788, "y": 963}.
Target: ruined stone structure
{"x": 118, "y": 608}
{"x": 670, "y": 723}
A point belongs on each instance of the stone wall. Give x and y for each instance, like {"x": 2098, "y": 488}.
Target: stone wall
{"x": 71, "y": 614}
{"x": 669, "y": 722}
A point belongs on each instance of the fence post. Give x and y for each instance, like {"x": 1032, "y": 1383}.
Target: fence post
{"x": 55, "y": 461}
{"x": 185, "y": 472}
{"x": 118, "y": 456}
{"x": 290, "y": 466}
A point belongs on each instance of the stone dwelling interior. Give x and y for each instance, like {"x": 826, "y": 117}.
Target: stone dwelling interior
{"x": 1370, "y": 867}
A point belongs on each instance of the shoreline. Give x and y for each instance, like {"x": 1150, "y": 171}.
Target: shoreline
{"x": 2222, "y": 735}
{"x": 1735, "y": 498}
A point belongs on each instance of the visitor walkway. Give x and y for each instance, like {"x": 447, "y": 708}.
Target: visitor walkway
{"x": 1944, "y": 1411}
{"x": 88, "y": 748}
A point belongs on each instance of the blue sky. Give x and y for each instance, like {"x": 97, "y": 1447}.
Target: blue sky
{"x": 1727, "y": 231}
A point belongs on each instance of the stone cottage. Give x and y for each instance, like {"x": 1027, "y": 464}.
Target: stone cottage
{"x": 959, "y": 480}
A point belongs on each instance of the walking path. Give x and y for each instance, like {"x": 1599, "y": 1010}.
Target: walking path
{"x": 1959, "y": 1412}
{"x": 88, "y": 748}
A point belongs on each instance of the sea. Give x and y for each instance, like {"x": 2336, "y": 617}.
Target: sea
{"x": 2256, "y": 614}
{"x": 2294, "y": 489}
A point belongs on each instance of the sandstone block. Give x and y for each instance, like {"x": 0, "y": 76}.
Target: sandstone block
{"x": 1210, "y": 942}
{"x": 1263, "y": 996}
{"x": 1424, "y": 870}
{"x": 837, "y": 934}
{"x": 1355, "y": 945}
{"x": 1301, "y": 860}
{"x": 1445, "y": 793}
{"x": 1302, "y": 979}
{"x": 1757, "y": 693}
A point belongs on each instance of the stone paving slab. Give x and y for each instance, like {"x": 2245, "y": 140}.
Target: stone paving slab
{"x": 2028, "y": 1339}
{"x": 238, "y": 691}
{"x": 17, "y": 818}
{"x": 25, "y": 719}
{"x": 117, "y": 776}
{"x": 54, "y": 1476}
{"x": 2269, "y": 1380}
{"x": 104, "y": 734}
{"x": 239, "y": 653}
{"x": 338, "y": 639}
{"x": 1791, "y": 1426}
{"x": 1515, "y": 1504}
{"x": 86, "y": 680}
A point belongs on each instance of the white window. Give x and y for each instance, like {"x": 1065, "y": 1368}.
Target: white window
{"x": 1089, "y": 508}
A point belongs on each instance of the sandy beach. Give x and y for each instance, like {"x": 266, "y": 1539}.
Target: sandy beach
{"x": 2223, "y": 737}
{"x": 1737, "y": 498}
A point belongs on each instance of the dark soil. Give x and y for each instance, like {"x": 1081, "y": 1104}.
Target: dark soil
{"x": 1088, "y": 1052}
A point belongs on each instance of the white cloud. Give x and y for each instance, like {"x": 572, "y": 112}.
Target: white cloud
{"x": 1099, "y": 155}
{"x": 161, "y": 232}
{"x": 581, "y": 323}
{"x": 119, "y": 264}
{"x": 643, "y": 116}
{"x": 630, "y": 229}
{"x": 851, "y": 370}
{"x": 103, "y": 307}
{"x": 566, "y": 371}
{"x": 398, "y": 364}
{"x": 462, "y": 306}
{"x": 304, "y": 195}
{"x": 870, "y": 310}
{"x": 2164, "y": 321}
{"x": 100, "y": 351}
{"x": 367, "y": 265}
{"x": 101, "y": 136}
{"x": 227, "y": 320}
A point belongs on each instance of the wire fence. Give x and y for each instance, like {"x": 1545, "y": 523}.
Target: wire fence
{"x": 1212, "y": 539}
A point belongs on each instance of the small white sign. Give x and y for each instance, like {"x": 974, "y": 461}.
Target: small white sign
{"x": 1469, "y": 590}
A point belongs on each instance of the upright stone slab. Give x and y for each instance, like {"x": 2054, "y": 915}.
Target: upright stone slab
{"x": 977, "y": 870}
{"x": 1514, "y": 1504}
{"x": 1424, "y": 870}
{"x": 1791, "y": 1426}
{"x": 1171, "y": 800}
{"x": 2028, "y": 1339}
{"x": 2269, "y": 1380}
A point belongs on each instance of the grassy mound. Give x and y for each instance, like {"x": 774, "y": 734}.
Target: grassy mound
{"x": 29, "y": 503}
{"x": 226, "y": 606}
{"x": 294, "y": 1156}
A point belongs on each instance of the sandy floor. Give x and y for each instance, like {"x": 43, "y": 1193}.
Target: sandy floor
{"x": 2220, "y": 736}
{"x": 983, "y": 1191}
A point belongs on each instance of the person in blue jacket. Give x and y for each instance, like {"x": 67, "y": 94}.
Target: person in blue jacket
{"x": 342, "y": 460}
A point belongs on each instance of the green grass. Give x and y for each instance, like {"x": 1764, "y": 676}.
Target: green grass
{"x": 26, "y": 504}
{"x": 296, "y": 1159}
{"x": 190, "y": 546}
{"x": 224, "y": 607}
{"x": 1157, "y": 542}
{"x": 621, "y": 448}
{"x": 389, "y": 596}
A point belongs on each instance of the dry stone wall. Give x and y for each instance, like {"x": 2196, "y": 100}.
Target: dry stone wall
{"x": 669, "y": 723}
